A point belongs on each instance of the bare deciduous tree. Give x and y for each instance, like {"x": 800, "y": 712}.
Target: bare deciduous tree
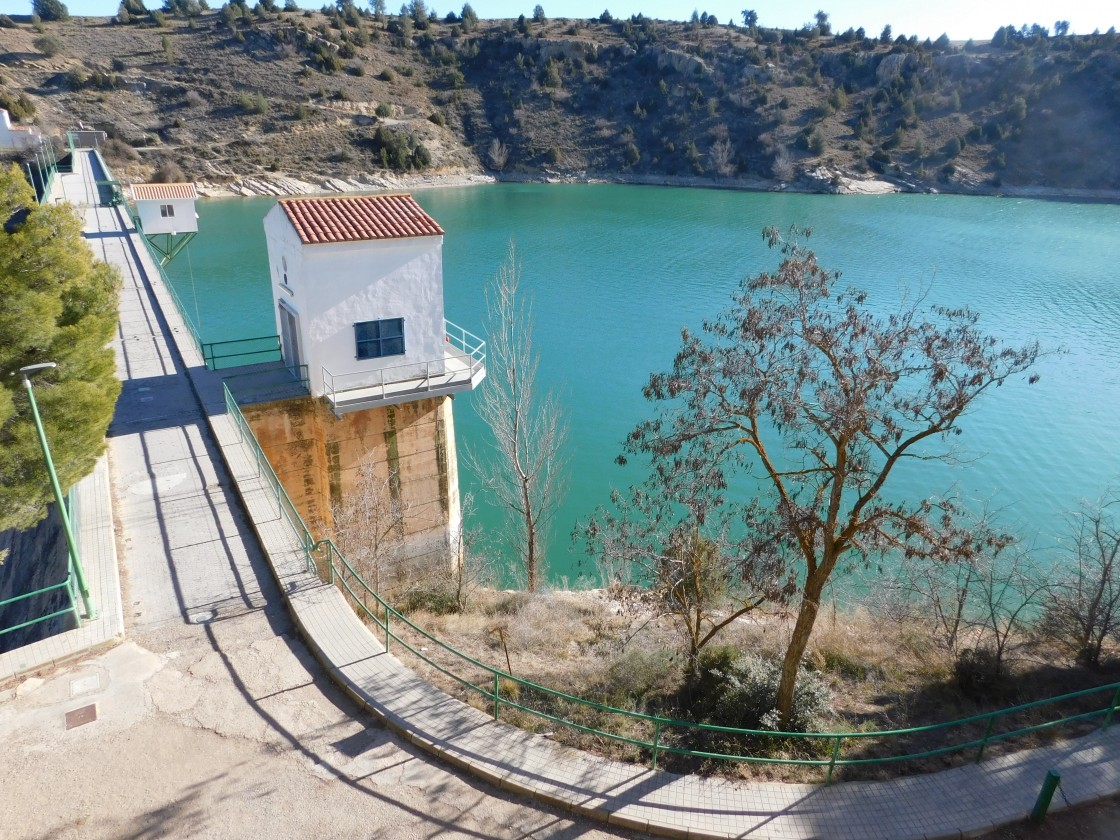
{"x": 1083, "y": 607}
{"x": 469, "y": 568}
{"x": 369, "y": 528}
{"x": 498, "y": 154}
{"x": 674, "y": 536}
{"x": 1008, "y": 590}
{"x": 782, "y": 166}
{"x": 936, "y": 594}
{"x": 721, "y": 154}
{"x": 527, "y": 470}
{"x": 802, "y": 385}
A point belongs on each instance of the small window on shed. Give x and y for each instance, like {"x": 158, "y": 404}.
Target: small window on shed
{"x": 284, "y": 263}
{"x": 167, "y": 210}
{"x": 377, "y": 339}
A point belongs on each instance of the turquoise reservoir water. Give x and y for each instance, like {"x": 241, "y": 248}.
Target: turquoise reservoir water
{"x": 616, "y": 272}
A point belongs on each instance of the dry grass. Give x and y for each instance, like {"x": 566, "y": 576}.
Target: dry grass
{"x": 883, "y": 676}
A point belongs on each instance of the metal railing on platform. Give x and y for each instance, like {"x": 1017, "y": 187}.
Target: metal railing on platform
{"x": 464, "y": 357}
{"x": 261, "y": 348}
{"x": 661, "y": 735}
{"x": 70, "y": 584}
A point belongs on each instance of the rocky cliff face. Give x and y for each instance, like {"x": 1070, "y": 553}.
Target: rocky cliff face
{"x": 273, "y": 101}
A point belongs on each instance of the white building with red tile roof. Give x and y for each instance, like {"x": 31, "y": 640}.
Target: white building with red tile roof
{"x": 18, "y": 136}
{"x": 358, "y": 289}
{"x": 165, "y": 208}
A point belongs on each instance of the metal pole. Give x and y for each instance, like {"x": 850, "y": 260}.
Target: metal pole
{"x": 832, "y": 761}
{"x": 1042, "y": 804}
{"x": 91, "y": 612}
{"x": 984, "y": 741}
{"x": 1111, "y": 708}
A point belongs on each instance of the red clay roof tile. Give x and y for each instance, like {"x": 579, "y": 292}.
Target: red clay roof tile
{"x": 358, "y": 218}
{"x": 162, "y": 192}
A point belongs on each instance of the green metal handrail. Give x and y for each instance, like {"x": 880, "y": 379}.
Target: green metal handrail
{"x": 117, "y": 200}
{"x": 212, "y": 357}
{"x": 72, "y": 608}
{"x": 70, "y": 583}
{"x": 660, "y": 723}
{"x": 46, "y": 164}
{"x": 339, "y": 571}
{"x": 264, "y": 470}
{"x": 207, "y": 350}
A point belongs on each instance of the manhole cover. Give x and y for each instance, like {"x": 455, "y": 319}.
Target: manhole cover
{"x": 82, "y": 716}
{"x": 84, "y": 685}
{"x": 202, "y": 617}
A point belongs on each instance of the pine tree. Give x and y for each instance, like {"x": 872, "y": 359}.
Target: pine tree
{"x": 50, "y": 9}
{"x": 59, "y": 306}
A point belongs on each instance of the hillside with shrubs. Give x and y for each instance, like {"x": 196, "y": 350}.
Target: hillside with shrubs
{"x": 346, "y": 91}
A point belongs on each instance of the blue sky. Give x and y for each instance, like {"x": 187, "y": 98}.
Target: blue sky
{"x": 959, "y": 18}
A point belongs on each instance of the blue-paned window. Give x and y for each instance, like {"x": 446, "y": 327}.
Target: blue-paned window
{"x": 376, "y": 339}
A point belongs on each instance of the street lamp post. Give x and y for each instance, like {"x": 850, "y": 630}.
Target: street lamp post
{"x": 91, "y": 612}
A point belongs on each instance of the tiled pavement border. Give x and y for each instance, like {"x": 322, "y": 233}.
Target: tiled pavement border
{"x": 953, "y": 803}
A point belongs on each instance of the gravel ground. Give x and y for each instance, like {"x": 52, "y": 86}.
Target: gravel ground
{"x": 229, "y": 730}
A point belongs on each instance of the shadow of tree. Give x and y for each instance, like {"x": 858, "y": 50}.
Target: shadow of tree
{"x": 945, "y": 701}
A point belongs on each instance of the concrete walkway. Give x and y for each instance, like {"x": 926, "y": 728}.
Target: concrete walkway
{"x": 200, "y": 570}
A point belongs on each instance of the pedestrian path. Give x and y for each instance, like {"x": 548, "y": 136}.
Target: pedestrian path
{"x": 170, "y": 431}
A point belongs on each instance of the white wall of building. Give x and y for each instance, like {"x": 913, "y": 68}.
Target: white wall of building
{"x": 152, "y": 220}
{"x": 333, "y": 286}
{"x": 17, "y": 137}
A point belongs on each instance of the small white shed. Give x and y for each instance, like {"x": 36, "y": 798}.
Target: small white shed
{"x": 165, "y": 208}
{"x": 17, "y": 136}
{"x": 358, "y": 289}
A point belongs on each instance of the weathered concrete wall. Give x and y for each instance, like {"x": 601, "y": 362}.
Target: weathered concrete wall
{"x": 317, "y": 457}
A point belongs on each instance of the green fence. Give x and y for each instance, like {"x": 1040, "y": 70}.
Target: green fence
{"x": 42, "y": 169}
{"x": 217, "y": 355}
{"x": 70, "y": 584}
{"x": 220, "y": 355}
{"x": 656, "y": 736}
{"x": 192, "y": 328}
{"x": 110, "y": 192}
{"x": 284, "y": 504}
